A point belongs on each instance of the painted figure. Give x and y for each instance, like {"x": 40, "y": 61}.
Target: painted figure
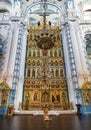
{"x": 28, "y": 72}
{"x": 35, "y": 96}
{"x": 33, "y": 73}
{"x": 55, "y": 97}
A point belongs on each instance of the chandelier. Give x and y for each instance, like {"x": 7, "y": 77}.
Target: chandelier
{"x": 45, "y": 37}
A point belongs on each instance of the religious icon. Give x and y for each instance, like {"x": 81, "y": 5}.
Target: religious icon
{"x": 33, "y": 63}
{"x": 55, "y": 53}
{"x": 45, "y": 96}
{"x": 26, "y": 104}
{"x": 55, "y": 96}
{"x": 56, "y": 63}
{"x": 34, "y": 53}
{"x": 57, "y": 72}
{"x": 59, "y": 53}
{"x": 44, "y": 52}
{"x": 28, "y": 72}
{"x": 29, "y": 63}
{"x": 35, "y": 96}
{"x": 30, "y": 37}
{"x": 33, "y": 73}
{"x": 52, "y": 73}
{"x": 51, "y": 63}
{"x": 38, "y": 72}
{"x": 61, "y": 72}
{"x": 38, "y": 53}
{"x": 38, "y": 63}
{"x": 29, "y": 53}
{"x": 60, "y": 63}
{"x": 27, "y": 94}
{"x": 51, "y": 53}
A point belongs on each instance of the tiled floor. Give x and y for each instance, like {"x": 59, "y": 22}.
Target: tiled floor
{"x": 61, "y": 122}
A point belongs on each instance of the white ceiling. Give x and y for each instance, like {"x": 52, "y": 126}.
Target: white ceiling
{"x": 54, "y": 10}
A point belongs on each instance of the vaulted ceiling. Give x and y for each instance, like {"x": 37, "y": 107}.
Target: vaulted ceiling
{"x": 35, "y": 12}
{"x": 54, "y": 10}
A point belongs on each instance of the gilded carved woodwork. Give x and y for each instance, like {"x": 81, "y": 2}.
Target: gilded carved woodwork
{"x": 86, "y": 93}
{"x": 45, "y": 81}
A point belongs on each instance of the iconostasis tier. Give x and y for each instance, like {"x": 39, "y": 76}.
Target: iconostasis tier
{"x": 45, "y": 81}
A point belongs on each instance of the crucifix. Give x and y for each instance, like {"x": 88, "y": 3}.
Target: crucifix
{"x": 44, "y": 14}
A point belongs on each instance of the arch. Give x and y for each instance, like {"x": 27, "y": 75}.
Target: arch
{"x": 53, "y": 12}
{"x": 49, "y": 3}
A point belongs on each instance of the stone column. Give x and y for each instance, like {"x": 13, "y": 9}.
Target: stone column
{"x": 7, "y": 54}
{"x": 12, "y": 54}
{"x": 81, "y": 43}
{"x": 71, "y": 92}
{"x": 77, "y": 53}
{"x": 19, "y": 94}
